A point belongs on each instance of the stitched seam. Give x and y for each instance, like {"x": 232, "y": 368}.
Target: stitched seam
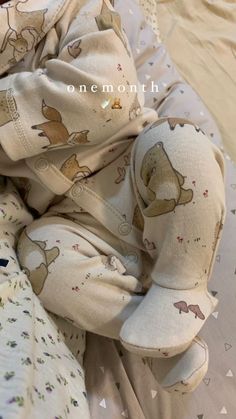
{"x": 16, "y": 118}
{"x": 59, "y": 7}
{"x": 193, "y": 373}
{"x": 55, "y": 171}
{"x": 188, "y": 377}
{"x": 62, "y": 177}
{"x": 182, "y": 289}
{"x": 111, "y": 208}
{"x": 216, "y": 246}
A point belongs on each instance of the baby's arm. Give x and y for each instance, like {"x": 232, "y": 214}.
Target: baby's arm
{"x": 44, "y": 114}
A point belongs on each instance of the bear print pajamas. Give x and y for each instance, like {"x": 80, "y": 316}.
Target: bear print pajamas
{"x": 128, "y": 202}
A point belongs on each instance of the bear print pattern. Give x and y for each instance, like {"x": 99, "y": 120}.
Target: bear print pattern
{"x": 38, "y": 274}
{"x": 156, "y": 171}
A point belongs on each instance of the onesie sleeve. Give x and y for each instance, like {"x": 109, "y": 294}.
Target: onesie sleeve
{"x": 80, "y": 96}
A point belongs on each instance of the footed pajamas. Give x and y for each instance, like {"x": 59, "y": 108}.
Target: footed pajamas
{"x": 160, "y": 222}
{"x": 127, "y": 203}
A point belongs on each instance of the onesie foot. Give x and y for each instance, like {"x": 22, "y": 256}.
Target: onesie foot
{"x": 166, "y": 321}
{"x": 184, "y": 372}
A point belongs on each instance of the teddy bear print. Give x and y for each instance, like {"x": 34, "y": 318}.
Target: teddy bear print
{"x": 164, "y": 184}
{"x": 39, "y": 273}
{"x": 56, "y": 132}
{"x": 73, "y": 171}
{"x": 173, "y": 122}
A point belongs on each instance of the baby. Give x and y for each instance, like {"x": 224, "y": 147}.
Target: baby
{"x": 128, "y": 206}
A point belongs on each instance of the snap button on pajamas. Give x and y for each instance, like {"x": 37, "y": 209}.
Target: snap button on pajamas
{"x": 132, "y": 257}
{"x": 124, "y": 228}
{"x": 77, "y": 190}
{"x": 41, "y": 165}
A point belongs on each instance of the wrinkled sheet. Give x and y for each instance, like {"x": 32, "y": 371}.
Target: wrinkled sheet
{"x": 201, "y": 39}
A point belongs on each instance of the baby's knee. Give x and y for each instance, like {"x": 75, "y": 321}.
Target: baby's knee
{"x": 173, "y": 154}
{"x": 176, "y": 144}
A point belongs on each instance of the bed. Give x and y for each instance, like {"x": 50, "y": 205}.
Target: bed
{"x": 43, "y": 358}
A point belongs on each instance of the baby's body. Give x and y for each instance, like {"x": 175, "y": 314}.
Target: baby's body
{"x": 121, "y": 196}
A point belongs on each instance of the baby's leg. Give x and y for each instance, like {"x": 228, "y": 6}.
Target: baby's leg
{"x": 178, "y": 177}
{"x": 74, "y": 280}
{"x": 93, "y": 291}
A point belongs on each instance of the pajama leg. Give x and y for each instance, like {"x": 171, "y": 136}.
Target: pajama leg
{"x": 178, "y": 177}
{"x": 74, "y": 280}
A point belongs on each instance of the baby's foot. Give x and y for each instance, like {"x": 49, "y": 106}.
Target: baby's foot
{"x": 184, "y": 372}
{"x": 166, "y": 321}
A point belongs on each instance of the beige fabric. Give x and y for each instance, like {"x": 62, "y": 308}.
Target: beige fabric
{"x": 133, "y": 391}
{"x": 30, "y": 134}
{"x": 200, "y": 37}
{"x": 121, "y": 382}
{"x": 177, "y": 237}
{"x": 83, "y": 278}
{"x": 158, "y": 189}
{"x": 63, "y": 149}
{"x": 119, "y": 372}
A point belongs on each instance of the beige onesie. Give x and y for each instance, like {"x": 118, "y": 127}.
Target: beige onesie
{"x": 130, "y": 202}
